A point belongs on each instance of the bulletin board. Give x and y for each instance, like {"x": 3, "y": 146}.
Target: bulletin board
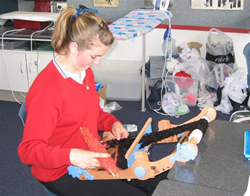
{"x": 183, "y": 14}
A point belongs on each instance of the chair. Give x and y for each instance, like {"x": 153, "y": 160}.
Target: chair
{"x": 246, "y": 52}
{"x": 22, "y": 114}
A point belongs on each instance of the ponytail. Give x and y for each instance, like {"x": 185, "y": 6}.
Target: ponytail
{"x": 81, "y": 28}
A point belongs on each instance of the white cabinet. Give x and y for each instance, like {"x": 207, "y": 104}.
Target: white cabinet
{"x": 36, "y": 62}
{"x": 18, "y": 69}
{"x": 13, "y": 71}
{"x": 23, "y": 57}
{"x": 44, "y": 60}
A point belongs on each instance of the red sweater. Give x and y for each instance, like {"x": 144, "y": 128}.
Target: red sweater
{"x": 57, "y": 106}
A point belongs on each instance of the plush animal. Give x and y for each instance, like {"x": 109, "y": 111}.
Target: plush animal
{"x": 195, "y": 45}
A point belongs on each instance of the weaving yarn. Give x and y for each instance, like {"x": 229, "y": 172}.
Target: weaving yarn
{"x": 95, "y": 146}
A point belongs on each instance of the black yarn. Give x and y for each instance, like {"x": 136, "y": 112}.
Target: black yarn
{"x": 154, "y": 137}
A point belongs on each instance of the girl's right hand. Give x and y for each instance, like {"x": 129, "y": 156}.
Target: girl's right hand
{"x": 86, "y": 159}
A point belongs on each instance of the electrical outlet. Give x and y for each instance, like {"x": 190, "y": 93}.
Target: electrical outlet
{"x": 60, "y": 6}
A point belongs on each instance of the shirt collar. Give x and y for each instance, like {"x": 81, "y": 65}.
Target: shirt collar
{"x": 66, "y": 74}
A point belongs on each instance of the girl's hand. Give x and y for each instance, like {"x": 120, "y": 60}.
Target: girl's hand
{"x": 85, "y": 159}
{"x": 119, "y": 131}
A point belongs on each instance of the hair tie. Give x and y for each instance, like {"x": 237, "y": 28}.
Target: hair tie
{"x": 76, "y": 14}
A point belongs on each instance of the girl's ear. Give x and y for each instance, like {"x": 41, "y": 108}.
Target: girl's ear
{"x": 73, "y": 47}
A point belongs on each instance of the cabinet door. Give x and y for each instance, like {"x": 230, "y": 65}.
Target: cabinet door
{"x": 44, "y": 60}
{"x": 4, "y": 84}
{"x": 13, "y": 71}
{"x": 36, "y": 62}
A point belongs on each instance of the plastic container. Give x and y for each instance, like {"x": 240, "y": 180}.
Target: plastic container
{"x": 12, "y": 44}
{"x": 247, "y": 144}
{"x": 185, "y": 87}
{"x": 242, "y": 116}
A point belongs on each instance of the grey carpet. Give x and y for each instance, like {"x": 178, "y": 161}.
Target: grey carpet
{"x": 16, "y": 179}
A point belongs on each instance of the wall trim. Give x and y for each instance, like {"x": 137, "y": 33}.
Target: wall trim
{"x": 200, "y": 28}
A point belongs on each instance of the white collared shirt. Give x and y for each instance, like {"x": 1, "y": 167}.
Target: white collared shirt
{"x": 68, "y": 74}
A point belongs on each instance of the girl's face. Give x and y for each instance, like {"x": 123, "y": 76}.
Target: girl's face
{"x": 87, "y": 58}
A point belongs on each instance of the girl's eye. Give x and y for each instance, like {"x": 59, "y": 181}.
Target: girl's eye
{"x": 93, "y": 57}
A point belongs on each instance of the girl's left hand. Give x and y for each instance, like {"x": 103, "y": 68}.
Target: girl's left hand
{"x": 119, "y": 131}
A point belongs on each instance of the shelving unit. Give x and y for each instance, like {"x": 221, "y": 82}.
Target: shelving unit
{"x": 23, "y": 55}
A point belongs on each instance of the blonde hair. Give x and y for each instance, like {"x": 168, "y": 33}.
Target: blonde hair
{"x": 85, "y": 29}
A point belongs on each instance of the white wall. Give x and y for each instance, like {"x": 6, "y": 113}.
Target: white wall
{"x": 132, "y": 49}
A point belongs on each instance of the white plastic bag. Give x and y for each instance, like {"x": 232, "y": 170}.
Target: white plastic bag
{"x": 169, "y": 47}
{"x": 111, "y": 107}
{"x": 218, "y": 75}
{"x": 220, "y": 48}
{"x": 235, "y": 87}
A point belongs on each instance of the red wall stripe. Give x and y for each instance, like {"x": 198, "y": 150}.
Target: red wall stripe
{"x": 201, "y": 28}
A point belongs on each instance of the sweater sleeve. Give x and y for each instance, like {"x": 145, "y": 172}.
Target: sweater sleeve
{"x": 35, "y": 148}
{"x": 43, "y": 107}
{"x": 105, "y": 121}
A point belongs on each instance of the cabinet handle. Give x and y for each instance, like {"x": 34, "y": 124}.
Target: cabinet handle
{"x": 29, "y": 67}
{"x": 21, "y": 67}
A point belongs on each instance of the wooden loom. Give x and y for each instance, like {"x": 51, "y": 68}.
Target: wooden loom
{"x": 141, "y": 167}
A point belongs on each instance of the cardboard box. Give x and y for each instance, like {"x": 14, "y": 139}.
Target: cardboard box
{"x": 102, "y": 92}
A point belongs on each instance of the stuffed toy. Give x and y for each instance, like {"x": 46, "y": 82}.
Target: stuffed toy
{"x": 195, "y": 45}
